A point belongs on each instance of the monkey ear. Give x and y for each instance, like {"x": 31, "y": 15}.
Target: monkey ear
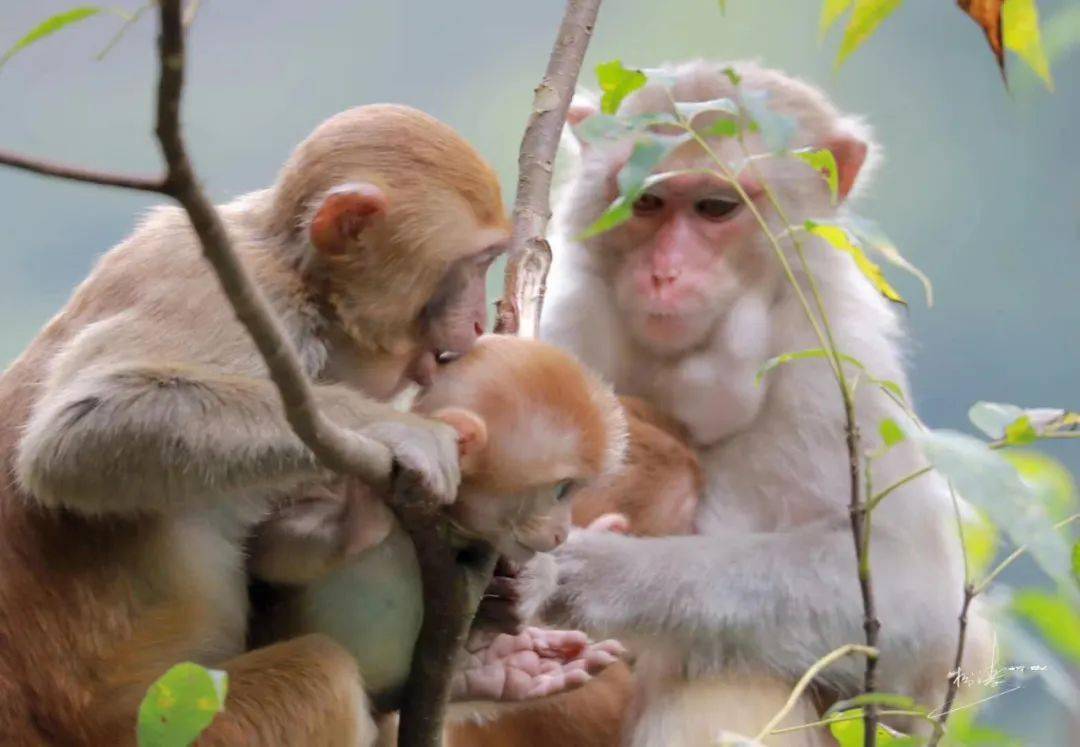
{"x": 472, "y": 433}
{"x": 850, "y": 154}
{"x": 343, "y": 215}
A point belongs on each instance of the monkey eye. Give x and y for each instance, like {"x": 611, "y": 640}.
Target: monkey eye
{"x": 647, "y": 203}
{"x": 563, "y": 489}
{"x": 716, "y": 208}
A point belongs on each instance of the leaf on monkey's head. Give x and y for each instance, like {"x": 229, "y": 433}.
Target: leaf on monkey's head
{"x": 617, "y": 82}
{"x": 987, "y": 13}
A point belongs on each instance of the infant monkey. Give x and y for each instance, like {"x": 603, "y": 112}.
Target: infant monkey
{"x": 534, "y": 426}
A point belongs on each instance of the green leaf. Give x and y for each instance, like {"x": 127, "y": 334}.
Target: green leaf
{"x": 1076, "y": 562}
{"x": 50, "y": 26}
{"x": 801, "y": 355}
{"x": 180, "y": 705}
{"x": 891, "y": 433}
{"x": 989, "y": 481}
{"x": 840, "y": 239}
{"x": 777, "y": 129}
{"x": 617, "y": 82}
{"x": 886, "y": 700}
{"x": 1049, "y": 481}
{"x": 822, "y": 160}
{"x": 980, "y": 540}
{"x": 1020, "y": 432}
{"x": 831, "y": 10}
{"x": 722, "y": 128}
{"x": 1054, "y": 617}
{"x": 870, "y": 235}
{"x": 731, "y": 75}
{"x": 600, "y": 127}
{"x": 648, "y": 152}
{"x": 865, "y": 18}
{"x": 1020, "y": 29}
{"x": 993, "y": 417}
{"x": 847, "y": 729}
{"x": 690, "y": 109}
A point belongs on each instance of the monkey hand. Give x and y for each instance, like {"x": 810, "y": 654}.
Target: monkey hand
{"x": 425, "y": 458}
{"x": 575, "y": 585}
{"x": 532, "y": 664}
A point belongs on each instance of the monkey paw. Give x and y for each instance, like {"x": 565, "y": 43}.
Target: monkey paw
{"x": 425, "y": 456}
{"x": 532, "y": 664}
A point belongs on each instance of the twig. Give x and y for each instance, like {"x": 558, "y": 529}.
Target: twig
{"x": 808, "y": 677}
{"x": 78, "y": 174}
{"x": 518, "y": 311}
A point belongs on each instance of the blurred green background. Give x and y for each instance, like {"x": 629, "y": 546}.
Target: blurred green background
{"x": 981, "y": 186}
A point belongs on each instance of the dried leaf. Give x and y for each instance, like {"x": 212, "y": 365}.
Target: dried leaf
{"x": 987, "y": 13}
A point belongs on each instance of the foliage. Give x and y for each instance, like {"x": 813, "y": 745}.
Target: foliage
{"x": 50, "y": 26}
{"x": 180, "y": 705}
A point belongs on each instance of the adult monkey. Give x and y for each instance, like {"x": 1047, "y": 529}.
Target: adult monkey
{"x": 142, "y": 437}
{"x": 681, "y": 305}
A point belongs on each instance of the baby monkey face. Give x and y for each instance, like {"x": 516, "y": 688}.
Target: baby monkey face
{"x": 520, "y": 524}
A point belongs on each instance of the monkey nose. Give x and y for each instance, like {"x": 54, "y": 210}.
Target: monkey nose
{"x": 479, "y": 328}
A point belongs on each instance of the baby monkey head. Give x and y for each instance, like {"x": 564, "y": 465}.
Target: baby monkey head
{"x": 534, "y": 426}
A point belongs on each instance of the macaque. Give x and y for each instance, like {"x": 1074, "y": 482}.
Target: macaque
{"x": 654, "y": 493}
{"x": 143, "y": 438}
{"x": 534, "y": 428}
{"x": 681, "y": 305}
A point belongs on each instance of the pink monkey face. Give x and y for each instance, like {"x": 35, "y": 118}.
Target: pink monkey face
{"x": 686, "y": 250}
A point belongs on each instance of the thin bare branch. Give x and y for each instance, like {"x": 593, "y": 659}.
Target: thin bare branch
{"x": 337, "y": 448}
{"x": 78, "y": 174}
{"x": 518, "y": 311}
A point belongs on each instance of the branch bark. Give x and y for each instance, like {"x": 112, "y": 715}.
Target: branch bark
{"x": 518, "y": 311}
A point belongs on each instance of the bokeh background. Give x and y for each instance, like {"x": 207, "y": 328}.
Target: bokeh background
{"x": 981, "y": 187}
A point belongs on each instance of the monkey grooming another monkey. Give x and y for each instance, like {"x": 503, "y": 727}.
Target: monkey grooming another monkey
{"x": 143, "y": 440}
{"x": 681, "y": 305}
{"x": 534, "y": 428}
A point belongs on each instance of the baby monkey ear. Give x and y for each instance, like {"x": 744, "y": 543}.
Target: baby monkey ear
{"x": 472, "y": 434}
{"x": 344, "y": 214}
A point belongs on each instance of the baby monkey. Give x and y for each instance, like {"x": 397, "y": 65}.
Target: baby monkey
{"x": 534, "y": 426}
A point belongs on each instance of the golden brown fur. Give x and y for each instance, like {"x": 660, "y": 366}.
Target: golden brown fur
{"x": 657, "y": 489}
{"x": 140, "y": 440}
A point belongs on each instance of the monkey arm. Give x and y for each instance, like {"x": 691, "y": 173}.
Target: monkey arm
{"x": 780, "y": 600}
{"x": 153, "y": 437}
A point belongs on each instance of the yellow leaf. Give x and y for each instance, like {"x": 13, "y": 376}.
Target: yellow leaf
{"x": 865, "y": 18}
{"x": 831, "y": 10}
{"x": 840, "y": 239}
{"x": 1020, "y": 26}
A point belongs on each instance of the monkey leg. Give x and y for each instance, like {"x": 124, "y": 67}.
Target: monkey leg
{"x": 305, "y": 691}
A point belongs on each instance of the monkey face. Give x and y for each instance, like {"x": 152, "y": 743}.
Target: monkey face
{"x": 519, "y": 525}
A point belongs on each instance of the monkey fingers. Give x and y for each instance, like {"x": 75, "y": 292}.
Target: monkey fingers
{"x": 533, "y": 664}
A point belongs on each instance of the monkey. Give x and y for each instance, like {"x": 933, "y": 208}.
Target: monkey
{"x": 654, "y": 493}
{"x": 143, "y": 439}
{"x": 534, "y": 428}
{"x": 681, "y": 305}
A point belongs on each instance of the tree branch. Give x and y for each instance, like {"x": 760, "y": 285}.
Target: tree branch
{"x": 518, "y": 311}
{"x": 77, "y": 174}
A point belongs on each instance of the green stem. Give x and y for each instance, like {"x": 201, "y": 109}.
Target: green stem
{"x": 872, "y": 503}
